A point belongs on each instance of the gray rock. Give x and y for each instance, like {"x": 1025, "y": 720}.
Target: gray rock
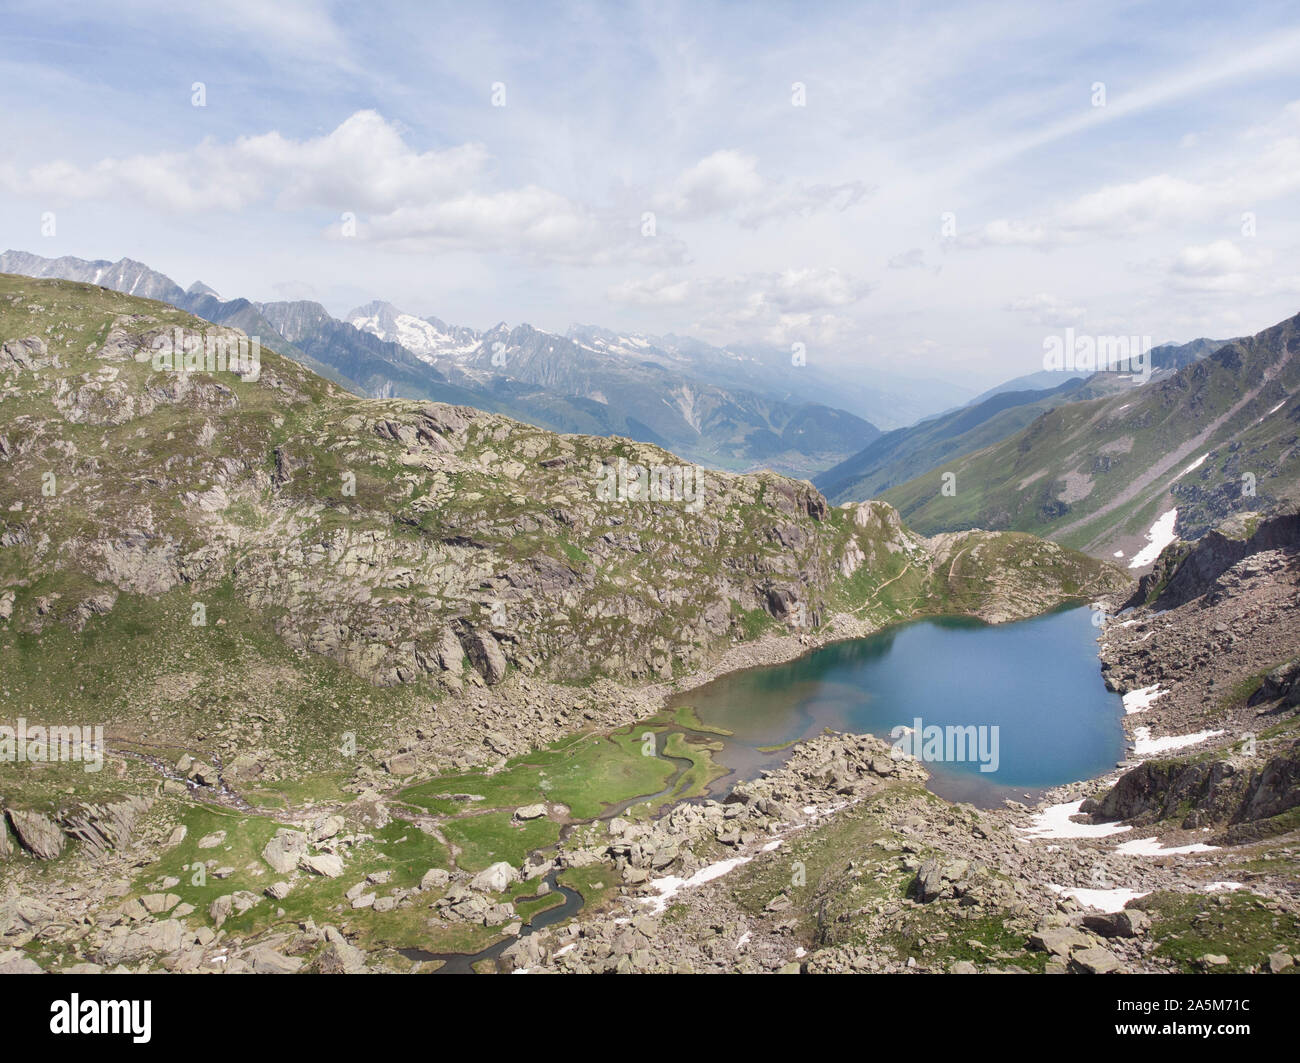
{"x": 37, "y": 833}
{"x": 267, "y": 961}
{"x": 105, "y": 827}
{"x": 157, "y": 903}
{"x": 401, "y": 764}
{"x": 285, "y": 850}
{"x": 327, "y": 864}
{"x": 1126, "y": 923}
{"x": 15, "y": 962}
{"x": 326, "y": 827}
{"x": 1095, "y": 960}
{"x": 338, "y": 957}
{"x": 219, "y": 910}
{"x": 132, "y": 945}
{"x": 494, "y": 879}
{"x": 1059, "y": 941}
{"x": 939, "y": 878}
{"x": 485, "y": 654}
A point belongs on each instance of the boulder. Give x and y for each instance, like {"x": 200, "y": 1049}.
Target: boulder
{"x": 939, "y": 878}
{"x": 37, "y": 833}
{"x": 1059, "y": 941}
{"x": 245, "y": 766}
{"x": 1126, "y": 923}
{"x": 494, "y": 879}
{"x": 267, "y": 961}
{"x": 401, "y": 764}
{"x": 157, "y": 903}
{"x": 132, "y": 945}
{"x": 1282, "y": 682}
{"x": 1095, "y": 960}
{"x": 13, "y": 961}
{"x": 486, "y": 655}
{"x": 219, "y": 910}
{"x": 338, "y": 957}
{"x": 326, "y": 827}
{"x": 105, "y": 827}
{"x": 285, "y": 850}
{"x": 327, "y": 864}
{"x": 448, "y": 651}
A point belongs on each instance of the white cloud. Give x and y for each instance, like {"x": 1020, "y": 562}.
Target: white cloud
{"x": 1222, "y": 266}
{"x": 408, "y": 199}
{"x": 1003, "y": 232}
{"x": 728, "y": 183}
{"x": 1256, "y": 174}
{"x": 1043, "y": 308}
{"x": 779, "y": 307}
{"x": 913, "y": 258}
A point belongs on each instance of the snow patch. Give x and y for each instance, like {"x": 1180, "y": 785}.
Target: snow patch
{"x": 1145, "y": 746}
{"x": 1140, "y": 700}
{"x": 1152, "y": 847}
{"x": 1055, "y": 822}
{"x": 1160, "y": 536}
{"x": 1103, "y": 900}
{"x": 670, "y": 885}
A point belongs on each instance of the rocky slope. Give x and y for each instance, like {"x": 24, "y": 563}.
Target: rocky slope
{"x": 368, "y": 673}
{"x": 837, "y": 861}
{"x": 403, "y": 541}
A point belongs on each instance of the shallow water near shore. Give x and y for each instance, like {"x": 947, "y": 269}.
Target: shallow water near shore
{"x": 1036, "y": 681}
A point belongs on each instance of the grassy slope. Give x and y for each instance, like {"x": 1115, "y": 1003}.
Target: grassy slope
{"x": 1109, "y": 442}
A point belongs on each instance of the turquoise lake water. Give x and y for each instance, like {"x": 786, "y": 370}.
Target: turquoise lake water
{"x": 1037, "y": 682}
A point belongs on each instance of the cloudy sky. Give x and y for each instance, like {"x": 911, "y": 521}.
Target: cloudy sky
{"x": 924, "y": 193}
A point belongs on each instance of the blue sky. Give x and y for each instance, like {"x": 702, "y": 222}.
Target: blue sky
{"x": 821, "y": 224}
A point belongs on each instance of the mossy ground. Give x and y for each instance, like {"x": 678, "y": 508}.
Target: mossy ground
{"x": 1236, "y": 924}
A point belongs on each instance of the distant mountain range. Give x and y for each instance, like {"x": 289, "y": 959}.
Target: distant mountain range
{"x": 1207, "y": 437}
{"x": 734, "y": 409}
{"x": 896, "y": 457}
